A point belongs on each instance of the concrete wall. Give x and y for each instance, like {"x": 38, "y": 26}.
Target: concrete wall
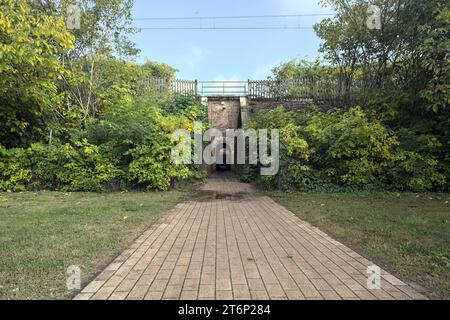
{"x": 233, "y": 112}
{"x": 224, "y": 113}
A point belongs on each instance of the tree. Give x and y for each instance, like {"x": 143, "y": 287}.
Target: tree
{"x": 403, "y": 68}
{"x": 159, "y": 70}
{"x": 408, "y": 51}
{"x": 435, "y": 55}
{"x": 118, "y": 82}
{"x": 30, "y": 45}
{"x": 104, "y": 26}
{"x": 104, "y": 31}
{"x": 303, "y": 69}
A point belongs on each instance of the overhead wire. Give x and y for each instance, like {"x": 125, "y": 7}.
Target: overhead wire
{"x": 201, "y": 19}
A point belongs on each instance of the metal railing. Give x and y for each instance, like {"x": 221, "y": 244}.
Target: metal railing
{"x": 167, "y": 85}
{"x": 292, "y": 89}
{"x": 222, "y": 88}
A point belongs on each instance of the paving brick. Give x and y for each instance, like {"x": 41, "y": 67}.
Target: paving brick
{"x": 84, "y": 296}
{"x": 103, "y": 293}
{"x": 343, "y": 291}
{"x": 154, "y": 295}
{"x": 223, "y": 284}
{"x": 295, "y": 295}
{"x": 172, "y": 292}
{"x": 206, "y": 291}
{"x": 138, "y": 293}
{"x": 241, "y": 292}
{"x": 256, "y": 285}
{"x": 118, "y": 296}
{"x": 259, "y": 295}
{"x": 275, "y": 291}
{"x": 208, "y": 278}
{"x": 330, "y": 295}
{"x": 239, "y": 246}
{"x": 159, "y": 285}
{"x": 309, "y": 291}
{"x": 189, "y": 295}
{"x": 192, "y": 284}
{"x": 93, "y": 287}
{"x": 126, "y": 285}
{"x": 224, "y": 295}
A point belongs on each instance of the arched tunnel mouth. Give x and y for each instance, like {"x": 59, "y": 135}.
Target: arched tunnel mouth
{"x": 224, "y": 165}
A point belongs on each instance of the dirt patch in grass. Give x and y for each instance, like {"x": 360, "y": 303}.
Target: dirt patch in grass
{"x": 407, "y": 234}
{"x": 204, "y": 196}
{"x": 42, "y": 234}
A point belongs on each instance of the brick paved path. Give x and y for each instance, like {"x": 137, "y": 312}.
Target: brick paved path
{"x": 233, "y": 243}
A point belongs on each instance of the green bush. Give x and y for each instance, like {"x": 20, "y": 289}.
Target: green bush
{"x": 348, "y": 147}
{"x": 13, "y": 174}
{"x": 78, "y": 167}
{"x": 294, "y": 149}
{"x": 415, "y": 172}
{"x": 138, "y": 136}
{"x": 419, "y": 162}
{"x": 346, "y": 150}
{"x": 130, "y": 146}
{"x": 186, "y": 106}
{"x": 156, "y": 171}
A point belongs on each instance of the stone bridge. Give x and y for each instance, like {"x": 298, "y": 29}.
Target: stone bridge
{"x": 231, "y": 103}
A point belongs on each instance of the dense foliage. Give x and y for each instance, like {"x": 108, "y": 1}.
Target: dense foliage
{"x": 77, "y": 113}
{"x": 395, "y": 134}
{"x": 75, "y": 116}
{"x": 128, "y": 147}
{"x": 29, "y": 69}
{"x": 349, "y": 150}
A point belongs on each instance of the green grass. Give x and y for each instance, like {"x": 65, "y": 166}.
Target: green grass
{"x": 42, "y": 234}
{"x": 407, "y": 234}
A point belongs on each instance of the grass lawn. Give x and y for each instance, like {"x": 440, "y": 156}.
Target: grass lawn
{"x": 42, "y": 234}
{"x": 407, "y": 234}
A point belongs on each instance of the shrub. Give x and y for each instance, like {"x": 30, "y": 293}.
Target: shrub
{"x": 415, "y": 172}
{"x": 78, "y": 167}
{"x": 320, "y": 151}
{"x": 156, "y": 173}
{"x": 187, "y": 106}
{"x": 139, "y": 137}
{"x": 348, "y": 147}
{"x": 294, "y": 149}
{"x": 13, "y": 174}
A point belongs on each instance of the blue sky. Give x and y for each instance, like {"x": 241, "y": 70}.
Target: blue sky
{"x": 226, "y": 54}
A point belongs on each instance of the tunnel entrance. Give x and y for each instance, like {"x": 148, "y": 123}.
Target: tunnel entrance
{"x": 224, "y": 113}
{"x": 224, "y": 158}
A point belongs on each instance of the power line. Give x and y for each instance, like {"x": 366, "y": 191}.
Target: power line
{"x": 213, "y": 18}
{"x": 237, "y": 17}
{"x": 227, "y": 28}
